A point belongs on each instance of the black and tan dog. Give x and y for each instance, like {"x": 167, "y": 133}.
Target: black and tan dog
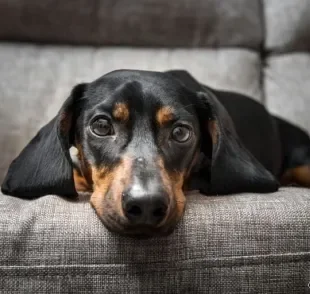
{"x": 145, "y": 137}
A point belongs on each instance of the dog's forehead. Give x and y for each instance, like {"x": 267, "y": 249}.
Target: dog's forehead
{"x": 138, "y": 90}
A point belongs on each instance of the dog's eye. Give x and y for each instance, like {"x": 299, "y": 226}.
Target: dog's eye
{"x": 181, "y": 134}
{"x": 102, "y": 127}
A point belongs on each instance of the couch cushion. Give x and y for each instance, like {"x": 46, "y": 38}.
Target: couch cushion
{"x": 227, "y": 244}
{"x": 35, "y": 80}
{"x": 287, "y": 25}
{"x": 287, "y": 86}
{"x": 143, "y": 22}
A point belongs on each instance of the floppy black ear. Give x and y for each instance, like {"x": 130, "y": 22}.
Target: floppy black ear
{"x": 231, "y": 168}
{"x": 44, "y": 166}
{"x": 225, "y": 165}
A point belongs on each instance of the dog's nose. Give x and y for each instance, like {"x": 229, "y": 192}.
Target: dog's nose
{"x": 145, "y": 208}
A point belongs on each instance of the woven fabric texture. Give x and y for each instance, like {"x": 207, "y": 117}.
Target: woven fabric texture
{"x": 237, "y": 243}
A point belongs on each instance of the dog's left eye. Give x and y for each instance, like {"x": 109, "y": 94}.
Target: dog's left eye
{"x": 102, "y": 127}
{"x": 181, "y": 134}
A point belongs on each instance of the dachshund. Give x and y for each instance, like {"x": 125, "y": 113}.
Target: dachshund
{"x": 142, "y": 138}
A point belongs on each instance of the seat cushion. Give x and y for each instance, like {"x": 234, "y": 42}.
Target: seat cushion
{"x": 224, "y": 244}
{"x": 35, "y": 80}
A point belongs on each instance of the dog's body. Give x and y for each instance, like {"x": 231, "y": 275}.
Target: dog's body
{"x": 144, "y": 137}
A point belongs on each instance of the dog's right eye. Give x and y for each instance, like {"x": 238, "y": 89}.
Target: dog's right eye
{"x": 102, "y": 127}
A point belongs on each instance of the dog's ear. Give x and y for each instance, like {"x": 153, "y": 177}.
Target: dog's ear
{"x": 44, "y": 166}
{"x": 225, "y": 165}
{"x": 228, "y": 167}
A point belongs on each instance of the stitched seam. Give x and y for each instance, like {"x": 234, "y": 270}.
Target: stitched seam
{"x": 126, "y": 273}
{"x": 112, "y": 267}
{"x": 302, "y": 254}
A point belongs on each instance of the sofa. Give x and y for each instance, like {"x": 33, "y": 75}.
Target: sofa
{"x": 242, "y": 243}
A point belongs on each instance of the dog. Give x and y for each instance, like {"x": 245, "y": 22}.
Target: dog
{"x": 142, "y": 138}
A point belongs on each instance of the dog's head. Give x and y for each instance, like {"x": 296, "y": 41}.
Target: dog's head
{"x": 141, "y": 139}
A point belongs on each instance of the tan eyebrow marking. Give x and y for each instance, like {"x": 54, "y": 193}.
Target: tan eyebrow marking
{"x": 164, "y": 115}
{"x": 121, "y": 111}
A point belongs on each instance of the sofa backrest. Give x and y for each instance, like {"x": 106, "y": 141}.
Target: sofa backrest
{"x": 151, "y": 23}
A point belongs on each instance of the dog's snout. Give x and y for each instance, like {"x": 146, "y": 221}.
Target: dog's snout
{"x": 144, "y": 208}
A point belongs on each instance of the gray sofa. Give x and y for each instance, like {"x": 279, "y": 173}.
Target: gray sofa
{"x": 247, "y": 243}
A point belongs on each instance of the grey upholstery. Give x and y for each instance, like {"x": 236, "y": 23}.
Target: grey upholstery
{"x": 227, "y": 244}
{"x": 287, "y": 87}
{"x": 182, "y": 23}
{"x": 287, "y": 25}
{"x": 247, "y": 243}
